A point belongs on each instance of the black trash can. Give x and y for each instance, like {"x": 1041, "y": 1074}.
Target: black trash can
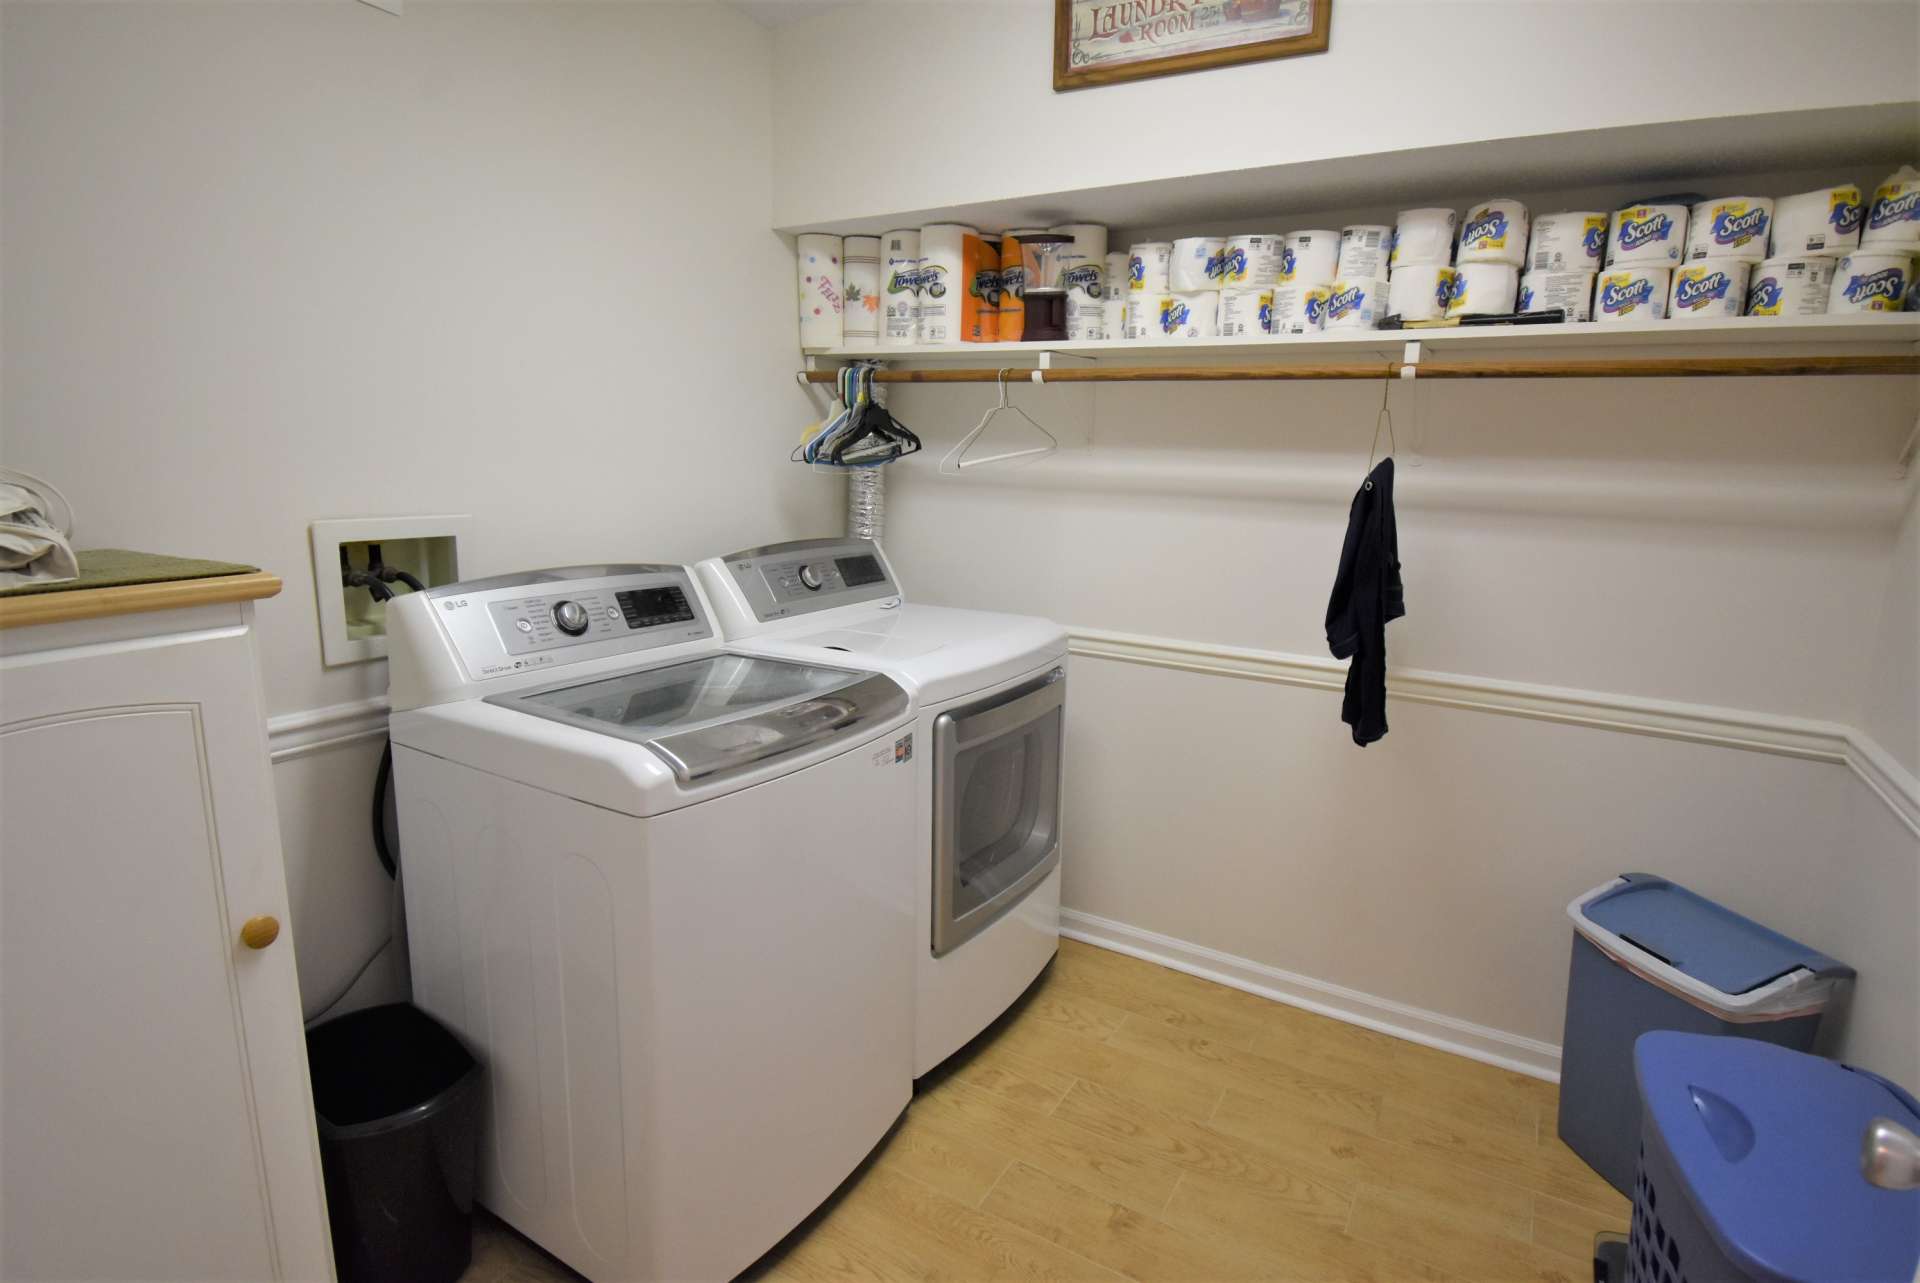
{"x": 398, "y": 1100}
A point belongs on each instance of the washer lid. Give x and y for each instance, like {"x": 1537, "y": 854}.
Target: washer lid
{"x": 721, "y": 713}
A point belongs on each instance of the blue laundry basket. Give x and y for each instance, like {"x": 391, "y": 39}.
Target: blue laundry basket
{"x": 1650, "y": 954}
{"x": 1750, "y": 1168}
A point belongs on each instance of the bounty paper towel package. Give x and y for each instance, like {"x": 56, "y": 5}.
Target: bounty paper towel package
{"x": 1870, "y": 281}
{"x": 1790, "y": 287}
{"x": 1647, "y": 236}
{"x": 820, "y": 290}
{"x": 1494, "y": 231}
{"x": 1709, "y": 287}
{"x": 1483, "y": 289}
{"x": 1631, "y": 294}
{"x": 1364, "y": 248}
{"x": 1423, "y": 236}
{"x": 1893, "y": 220}
{"x": 861, "y": 314}
{"x": 1575, "y": 241}
{"x": 1735, "y": 227}
{"x": 1308, "y": 258}
{"x": 900, "y": 288}
{"x": 1826, "y": 221}
{"x": 1420, "y": 291}
{"x": 1571, "y": 292}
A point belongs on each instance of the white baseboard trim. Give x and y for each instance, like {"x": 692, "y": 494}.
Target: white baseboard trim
{"x": 1668, "y": 719}
{"x": 1428, "y": 1028}
{"x": 315, "y": 730}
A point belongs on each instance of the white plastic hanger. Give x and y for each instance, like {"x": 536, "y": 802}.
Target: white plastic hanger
{"x": 956, "y": 460}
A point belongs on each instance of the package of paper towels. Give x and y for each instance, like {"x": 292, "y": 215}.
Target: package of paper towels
{"x": 1790, "y": 287}
{"x": 1574, "y": 241}
{"x": 821, "y": 298}
{"x": 900, "y": 288}
{"x": 1894, "y": 217}
{"x": 1494, "y": 231}
{"x": 860, "y": 315}
{"x": 1117, "y": 278}
{"x": 1826, "y": 221}
{"x": 1730, "y": 227}
{"x": 1083, "y": 274}
{"x": 1710, "y": 287}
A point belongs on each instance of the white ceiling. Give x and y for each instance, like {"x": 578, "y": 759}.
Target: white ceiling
{"x": 778, "y": 13}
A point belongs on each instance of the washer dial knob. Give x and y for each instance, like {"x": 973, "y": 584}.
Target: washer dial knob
{"x": 810, "y": 578}
{"x": 570, "y": 617}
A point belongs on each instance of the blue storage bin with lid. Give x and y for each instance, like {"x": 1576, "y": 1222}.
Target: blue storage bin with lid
{"x": 1751, "y": 1168}
{"x": 1650, "y": 954}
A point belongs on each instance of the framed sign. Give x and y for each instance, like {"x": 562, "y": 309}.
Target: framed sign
{"x": 1103, "y": 42}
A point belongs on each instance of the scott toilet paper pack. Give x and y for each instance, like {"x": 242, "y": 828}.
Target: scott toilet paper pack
{"x": 1826, "y": 221}
{"x": 1711, "y": 287}
{"x": 1423, "y": 236}
{"x": 1298, "y": 309}
{"x": 1117, "y": 279}
{"x": 1309, "y": 258}
{"x": 1869, "y": 281}
{"x": 1357, "y": 305}
{"x": 1893, "y": 220}
{"x": 1483, "y": 289}
{"x": 1189, "y": 314}
{"x": 1647, "y": 236}
{"x": 1364, "y": 248}
{"x": 1631, "y": 294}
{"x": 1196, "y": 264}
{"x": 1250, "y": 261}
{"x": 1790, "y": 287}
{"x": 1571, "y": 292}
{"x": 1575, "y": 241}
{"x": 1149, "y": 265}
{"x": 1494, "y": 231}
{"x": 1419, "y": 291}
{"x": 1245, "y": 312}
{"x": 1737, "y": 227}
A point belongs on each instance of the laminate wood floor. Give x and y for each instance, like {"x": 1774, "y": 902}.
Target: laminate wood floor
{"x": 1124, "y": 1121}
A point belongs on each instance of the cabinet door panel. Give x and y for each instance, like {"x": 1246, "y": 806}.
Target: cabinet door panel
{"x": 155, "y": 1118}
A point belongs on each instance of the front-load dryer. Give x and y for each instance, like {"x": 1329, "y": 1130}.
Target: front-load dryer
{"x": 657, "y": 887}
{"x": 989, "y": 696}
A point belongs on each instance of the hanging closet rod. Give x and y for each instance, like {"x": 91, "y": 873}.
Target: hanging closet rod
{"x": 1640, "y": 368}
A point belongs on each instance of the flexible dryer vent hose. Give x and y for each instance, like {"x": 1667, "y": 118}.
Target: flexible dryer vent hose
{"x": 867, "y": 503}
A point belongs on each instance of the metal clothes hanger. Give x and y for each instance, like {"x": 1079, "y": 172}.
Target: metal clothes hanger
{"x": 956, "y": 460}
{"x": 1386, "y": 415}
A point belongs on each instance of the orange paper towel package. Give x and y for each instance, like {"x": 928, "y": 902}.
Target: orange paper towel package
{"x": 980, "y": 312}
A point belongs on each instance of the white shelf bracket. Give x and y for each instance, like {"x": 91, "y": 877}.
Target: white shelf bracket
{"x": 1410, "y": 360}
{"x": 1048, "y": 356}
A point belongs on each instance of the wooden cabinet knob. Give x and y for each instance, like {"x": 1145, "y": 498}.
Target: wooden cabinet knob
{"x": 258, "y": 933}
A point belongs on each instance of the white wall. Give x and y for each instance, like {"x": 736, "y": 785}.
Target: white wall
{"x": 271, "y": 262}
{"x": 954, "y": 102}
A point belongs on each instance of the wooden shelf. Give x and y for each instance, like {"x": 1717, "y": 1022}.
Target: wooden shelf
{"x": 1889, "y": 335}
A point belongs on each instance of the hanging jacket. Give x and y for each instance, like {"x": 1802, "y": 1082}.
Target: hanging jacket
{"x": 1366, "y": 594}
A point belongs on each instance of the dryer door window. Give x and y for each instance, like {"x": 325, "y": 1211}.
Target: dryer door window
{"x": 996, "y": 799}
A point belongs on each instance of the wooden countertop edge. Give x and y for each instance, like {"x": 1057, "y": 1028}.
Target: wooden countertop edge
{"x": 131, "y": 599}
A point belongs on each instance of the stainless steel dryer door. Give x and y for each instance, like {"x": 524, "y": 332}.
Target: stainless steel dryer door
{"x": 996, "y": 805}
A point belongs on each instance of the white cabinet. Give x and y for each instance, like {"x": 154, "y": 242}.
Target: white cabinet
{"x": 156, "y": 1120}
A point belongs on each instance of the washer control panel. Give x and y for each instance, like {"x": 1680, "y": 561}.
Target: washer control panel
{"x": 817, "y": 574}
{"x": 549, "y": 617}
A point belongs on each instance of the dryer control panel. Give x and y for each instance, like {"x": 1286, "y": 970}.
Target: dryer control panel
{"x": 785, "y": 580}
{"x": 546, "y": 618}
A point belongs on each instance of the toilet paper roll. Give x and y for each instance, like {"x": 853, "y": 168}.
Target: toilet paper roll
{"x": 1423, "y": 237}
{"x": 1117, "y": 278}
{"x": 1826, "y": 221}
{"x": 1483, "y": 289}
{"x": 943, "y": 280}
{"x": 1150, "y": 267}
{"x": 1196, "y": 264}
{"x": 1494, "y": 231}
{"x": 1870, "y": 281}
{"x": 1189, "y": 314}
{"x": 1359, "y": 304}
{"x": 1083, "y": 274}
{"x": 1250, "y": 261}
{"x": 1572, "y": 292}
{"x": 820, "y": 289}
{"x": 1308, "y": 258}
{"x": 1791, "y": 286}
{"x": 1419, "y": 291}
{"x": 1647, "y": 236}
{"x": 1631, "y": 294}
{"x": 1244, "y": 312}
{"x": 1573, "y": 241}
{"x": 1735, "y": 227}
{"x": 1364, "y": 249}
{"x": 1113, "y": 316}
{"x": 1298, "y": 309}
{"x": 1012, "y": 318}
{"x": 900, "y": 288}
{"x": 860, "y": 316}
{"x": 1893, "y": 219}
{"x": 1708, "y": 287}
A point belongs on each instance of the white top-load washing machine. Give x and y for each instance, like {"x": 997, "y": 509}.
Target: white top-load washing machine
{"x": 658, "y": 888}
{"x": 989, "y": 694}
